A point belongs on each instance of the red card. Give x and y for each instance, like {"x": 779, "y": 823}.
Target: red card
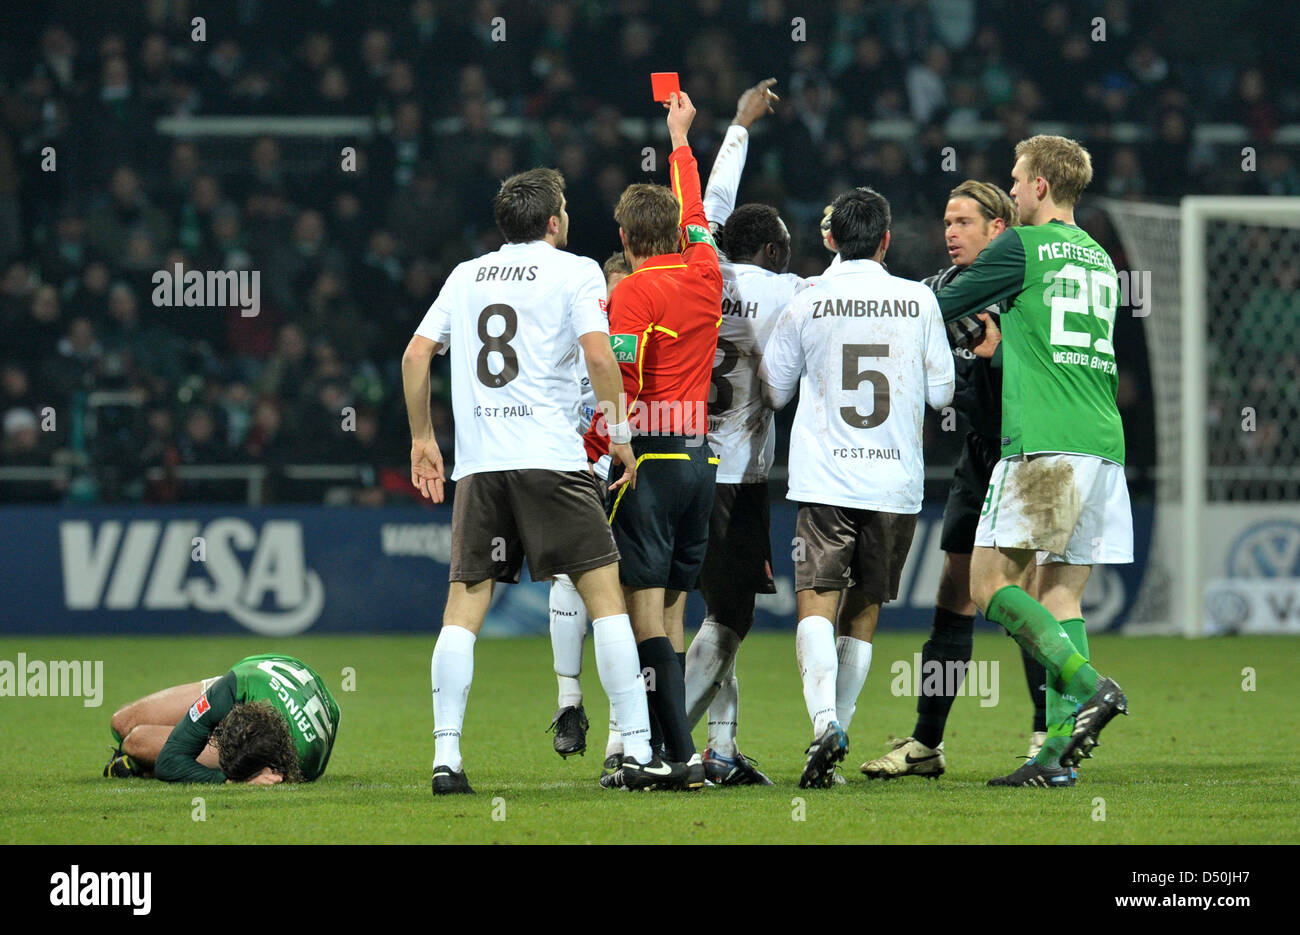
{"x": 662, "y": 84}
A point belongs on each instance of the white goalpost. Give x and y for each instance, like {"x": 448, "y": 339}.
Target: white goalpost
{"x": 1225, "y": 373}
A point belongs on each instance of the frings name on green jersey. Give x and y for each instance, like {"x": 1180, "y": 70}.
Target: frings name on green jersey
{"x": 1059, "y": 377}
{"x": 868, "y": 352}
{"x": 512, "y": 319}
{"x": 741, "y": 428}
{"x": 295, "y": 690}
{"x": 289, "y": 685}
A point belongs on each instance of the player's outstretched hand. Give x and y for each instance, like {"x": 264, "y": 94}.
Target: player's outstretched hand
{"x": 681, "y": 113}
{"x": 267, "y": 777}
{"x": 992, "y": 336}
{"x": 426, "y": 469}
{"x": 754, "y": 103}
{"x": 623, "y": 455}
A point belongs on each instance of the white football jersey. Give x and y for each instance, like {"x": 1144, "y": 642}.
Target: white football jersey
{"x": 512, "y": 319}
{"x": 741, "y": 430}
{"x": 586, "y": 393}
{"x": 863, "y": 347}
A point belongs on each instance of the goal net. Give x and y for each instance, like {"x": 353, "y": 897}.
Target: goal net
{"x": 1221, "y": 331}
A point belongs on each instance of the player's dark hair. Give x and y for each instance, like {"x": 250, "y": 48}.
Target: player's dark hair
{"x": 252, "y": 737}
{"x": 526, "y": 202}
{"x": 859, "y": 220}
{"x": 750, "y": 228}
{"x": 648, "y": 215}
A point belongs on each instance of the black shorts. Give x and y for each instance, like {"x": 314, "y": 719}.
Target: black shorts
{"x": 739, "y": 557}
{"x": 840, "y": 547}
{"x": 662, "y": 526}
{"x": 970, "y": 483}
{"x": 555, "y": 518}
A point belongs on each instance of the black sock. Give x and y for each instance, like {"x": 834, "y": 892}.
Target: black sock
{"x": 1036, "y": 677}
{"x": 656, "y": 732}
{"x": 668, "y": 699}
{"x": 951, "y": 640}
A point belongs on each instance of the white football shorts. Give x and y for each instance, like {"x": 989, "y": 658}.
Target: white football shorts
{"x": 1068, "y": 508}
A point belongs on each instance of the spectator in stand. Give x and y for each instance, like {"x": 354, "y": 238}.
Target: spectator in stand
{"x": 287, "y": 370}
{"x": 125, "y": 210}
{"x": 352, "y": 255}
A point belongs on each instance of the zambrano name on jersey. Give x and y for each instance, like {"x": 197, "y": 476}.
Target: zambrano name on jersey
{"x": 866, "y": 308}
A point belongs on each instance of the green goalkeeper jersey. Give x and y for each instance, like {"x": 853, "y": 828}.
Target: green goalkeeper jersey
{"x": 1058, "y": 365}
{"x": 288, "y": 685}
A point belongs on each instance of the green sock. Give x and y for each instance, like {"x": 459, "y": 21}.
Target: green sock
{"x": 1061, "y": 707}
{"x": 1034, "y": 628}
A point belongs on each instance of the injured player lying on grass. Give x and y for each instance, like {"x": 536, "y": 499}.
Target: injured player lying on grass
{"x": 270, "y": 719}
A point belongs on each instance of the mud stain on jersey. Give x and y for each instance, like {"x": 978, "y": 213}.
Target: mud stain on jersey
{"x": 1050, "y": 502}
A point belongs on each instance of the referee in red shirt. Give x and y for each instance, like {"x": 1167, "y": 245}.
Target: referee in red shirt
{"x": 663, "y": 325}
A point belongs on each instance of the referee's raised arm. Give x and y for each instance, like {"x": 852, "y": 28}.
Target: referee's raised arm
{"x": 698, "y": 247}
{"x": 663, "y": 325}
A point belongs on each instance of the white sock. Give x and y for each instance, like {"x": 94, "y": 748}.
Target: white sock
{"x": 568, "y": 634}
{"x": 570, "y": 692}
{"x": 620, "y": 676}
{"x": 710, "y": 655}
{"x": 814, "y": 643}
{"x": 855, "y": 663}
{"x": 451, "y": 670}
{"x": 724, "y": 712}
{"x": 614, "y": 745}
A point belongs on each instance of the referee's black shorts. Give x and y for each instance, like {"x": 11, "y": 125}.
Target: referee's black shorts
{"x": 662, "y": 525}
{"x": 970, "y": 483}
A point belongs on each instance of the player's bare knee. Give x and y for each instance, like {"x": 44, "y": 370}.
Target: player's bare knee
{"x": 131, "y": 742}
{"x": 983, "y": 588}
{"x": 124, "y": 720}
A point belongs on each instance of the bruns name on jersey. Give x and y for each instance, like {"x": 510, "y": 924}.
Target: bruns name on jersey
{"x": 866, "y": 308}
{"x": 506, "y": 274}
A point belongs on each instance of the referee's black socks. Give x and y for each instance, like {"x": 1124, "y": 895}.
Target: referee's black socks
{"x": 667, "y": 695}
{"x": 951, "y": 640}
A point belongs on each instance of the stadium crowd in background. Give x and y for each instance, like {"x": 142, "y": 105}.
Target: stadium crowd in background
{"x": 349, "y": 261}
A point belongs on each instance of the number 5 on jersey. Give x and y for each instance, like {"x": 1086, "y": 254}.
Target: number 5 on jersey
{"x": 851, "y": 378}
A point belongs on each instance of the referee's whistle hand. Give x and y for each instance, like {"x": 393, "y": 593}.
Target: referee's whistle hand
{"x": 623, "y": 455}
{"x": 426, "y": 469}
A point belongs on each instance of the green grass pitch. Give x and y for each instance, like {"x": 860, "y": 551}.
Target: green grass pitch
{"x": 1200, "y": 759}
